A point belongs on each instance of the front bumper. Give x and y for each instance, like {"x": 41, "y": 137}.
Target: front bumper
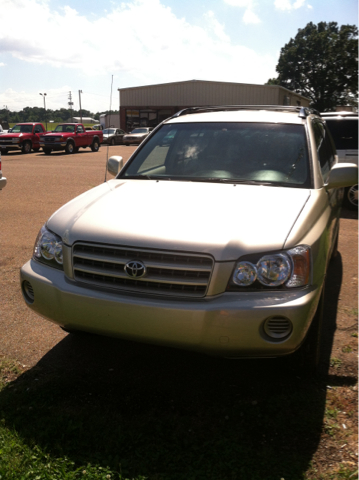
{"x": 229, "y": 324}
{"x": 10, "y": 146}
{"x": 53, "y": 145}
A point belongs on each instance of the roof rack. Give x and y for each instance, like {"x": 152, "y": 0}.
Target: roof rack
{"x": 303, "y": 112}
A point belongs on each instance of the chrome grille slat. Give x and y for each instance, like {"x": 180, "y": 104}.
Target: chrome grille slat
{"x": 148, "y": 278}
{"x": 167, "y": 273}
{"x": 151, "y": 264}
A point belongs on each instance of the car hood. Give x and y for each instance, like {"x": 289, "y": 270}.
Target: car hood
{"x": 13, "y": 135}
{"x": 223, "y": 220}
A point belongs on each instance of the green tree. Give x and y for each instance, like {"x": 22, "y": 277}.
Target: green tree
{"x": 321, "y": 63}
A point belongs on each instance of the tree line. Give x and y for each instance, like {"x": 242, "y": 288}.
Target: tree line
{"x": 38, "y": 114}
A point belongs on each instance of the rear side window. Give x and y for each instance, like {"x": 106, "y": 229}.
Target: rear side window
{"x": 325, "y": 149}
{"x": 344, "y": 132}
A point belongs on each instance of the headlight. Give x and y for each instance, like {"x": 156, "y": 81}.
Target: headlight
{"x": 287, "y": 269}
{"x": 48, "y": 248}
{"x": 58, "y": 139}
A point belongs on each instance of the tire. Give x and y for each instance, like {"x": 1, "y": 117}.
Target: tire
{"x": 26, "y": 148}
{"x": 47, "y": 151}
{"x": 70, "y": 148}
{"x": 95, "y": 146}
{"x": 309, "y": 355}
{"x": 351, "y": 197}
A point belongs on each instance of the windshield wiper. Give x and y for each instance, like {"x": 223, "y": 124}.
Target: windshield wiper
{"x": 146, "y": 177}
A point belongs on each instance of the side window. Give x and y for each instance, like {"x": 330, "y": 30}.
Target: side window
{"x": 80, "y": 129}
{"x": 324, "y": 148}
{"x": 38, "y": 129}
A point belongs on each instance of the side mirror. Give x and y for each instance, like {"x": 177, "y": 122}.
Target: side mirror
{"x": 114, "y": 165}
{"x": 343, "y": 175}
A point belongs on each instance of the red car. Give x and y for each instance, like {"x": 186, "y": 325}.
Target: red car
{"x": 24, "y": 137}
{"x": 70, "y": 137}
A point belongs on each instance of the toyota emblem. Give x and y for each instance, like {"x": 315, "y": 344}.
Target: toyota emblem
{"x": 135, "y": 269}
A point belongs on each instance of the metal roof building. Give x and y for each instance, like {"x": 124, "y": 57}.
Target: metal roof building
{"x": 149, "y": 105}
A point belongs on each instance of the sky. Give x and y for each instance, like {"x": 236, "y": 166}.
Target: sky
{"x": 62, "y": 46}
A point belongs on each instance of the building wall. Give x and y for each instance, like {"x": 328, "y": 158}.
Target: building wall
{"x": 176, "y": 96}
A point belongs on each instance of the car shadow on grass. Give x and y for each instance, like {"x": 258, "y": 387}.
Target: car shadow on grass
{"x": 168, "y": 414}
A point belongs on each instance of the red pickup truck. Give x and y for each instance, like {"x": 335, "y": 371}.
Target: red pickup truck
{"x": 23, "y": 136}
{"x": 70, "y": 137}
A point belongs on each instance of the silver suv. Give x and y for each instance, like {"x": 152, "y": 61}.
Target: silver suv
{"x": 215, "y": 237}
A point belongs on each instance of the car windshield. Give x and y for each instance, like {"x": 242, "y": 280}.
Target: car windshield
{"x": 344, "y": 132}
{"x": 268, "y": 154}
{"x": 109, "y": 131}
{"x": 65, "y": 128}
{"x": 21, "y": 129}
{"x": 140, "y": 130}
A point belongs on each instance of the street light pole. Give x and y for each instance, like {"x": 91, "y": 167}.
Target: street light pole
{"x": 80, "y": 91}
{"x": 44, "y": 95}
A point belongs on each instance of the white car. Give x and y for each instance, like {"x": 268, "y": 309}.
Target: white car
{"x": 344, "y": 129}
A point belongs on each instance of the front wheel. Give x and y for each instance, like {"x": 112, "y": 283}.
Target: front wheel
{"x": 95, "y": 146}
{"x": 351, "y": 197}
{"x": 310, "y": 353}
{"x": 26, "y": 148}
{"x": 70, "y": 148}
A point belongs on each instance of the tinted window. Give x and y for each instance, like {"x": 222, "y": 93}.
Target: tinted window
{"x": 325, "y": 148}
{"x": 344, "y": 133}
{"x": 265, "y": 153}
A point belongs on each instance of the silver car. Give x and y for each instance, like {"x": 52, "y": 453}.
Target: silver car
{"x": 214, "y": 237}
{"x": 3, "y": 180}
{"x": 136, "y": 136}
{"x": 113, "y": 136}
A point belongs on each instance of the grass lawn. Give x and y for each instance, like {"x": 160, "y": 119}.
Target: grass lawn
{"x": 157, "y": 414}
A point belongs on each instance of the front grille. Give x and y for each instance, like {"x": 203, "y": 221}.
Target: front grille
{"x": 166, "y": 273}
{"x": 49, "y": 139}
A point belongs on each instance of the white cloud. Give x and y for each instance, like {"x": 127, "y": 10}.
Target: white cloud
{"x": 2, "y": 64}
{"x": 249, "y": 17}
{"x": 288, "y": 5}
{"x": 124, "y": 43}
{"x": 217, "y": 27}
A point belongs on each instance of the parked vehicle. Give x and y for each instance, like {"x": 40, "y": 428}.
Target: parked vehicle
{"x": 113, "y": 136}
{"x": 136, "y": 136}
{"x": 215, "y": 236}
{"x": 70, "y": 137}
{"x": 23, "y": 136}
{"x": 3, "y": 180}
{"x": 344, "y": 129}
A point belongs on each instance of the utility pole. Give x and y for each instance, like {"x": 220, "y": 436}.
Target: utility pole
{"x": 80, "y": 91}
{"x": 71, "y": 103}
{"x": 44, "y": 95}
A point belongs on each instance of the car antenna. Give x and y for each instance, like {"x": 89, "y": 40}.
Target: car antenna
{"x": 105, "y": 126}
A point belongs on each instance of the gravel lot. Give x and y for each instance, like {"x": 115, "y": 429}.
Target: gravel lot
{"x": 39, "y": 184}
